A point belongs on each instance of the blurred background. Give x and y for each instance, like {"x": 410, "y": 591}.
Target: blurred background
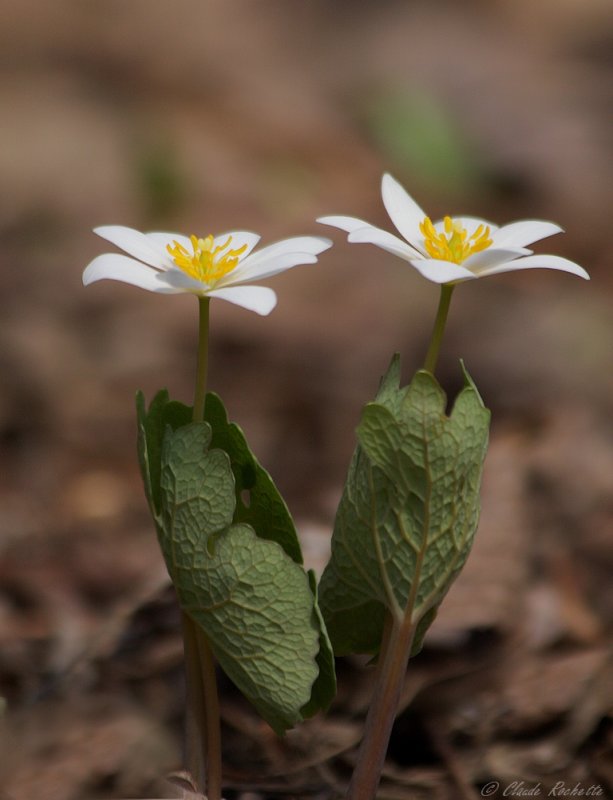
{"x": 203, "y": 117}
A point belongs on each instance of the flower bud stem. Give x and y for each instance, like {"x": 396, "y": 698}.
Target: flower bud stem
{"x": 439, "y": 327}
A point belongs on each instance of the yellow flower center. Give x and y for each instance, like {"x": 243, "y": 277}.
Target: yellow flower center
{"x": 454, "y": 244}
{"x": 206, "y": 263}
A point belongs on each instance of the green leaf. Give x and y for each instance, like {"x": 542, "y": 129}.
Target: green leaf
{"x": 409, "y": 510}
{"x": 258, "y": 501}
{"x": 255, "y": 603}
{"x": 324, "y": 687}
{"x": 152, "y": 424}
{"x": 269, "y": 516}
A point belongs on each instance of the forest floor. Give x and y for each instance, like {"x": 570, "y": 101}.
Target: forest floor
{"x": 265, "y": 116}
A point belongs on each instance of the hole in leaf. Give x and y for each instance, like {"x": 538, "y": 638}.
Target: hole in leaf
{"x": 246, "y": 498}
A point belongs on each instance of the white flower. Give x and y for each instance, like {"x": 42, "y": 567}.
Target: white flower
{"x": 454, "y": 249}
{"x": 216, "y": 266}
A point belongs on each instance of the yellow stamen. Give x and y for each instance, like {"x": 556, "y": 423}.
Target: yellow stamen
{"x": 206, "y": 263}
{"x": 455, "y": 244}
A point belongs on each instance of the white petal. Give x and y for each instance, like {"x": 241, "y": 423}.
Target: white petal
{"x": 348, "y": 224}
{"x": 470, "y": 224}
{"x": 296, "y": 244}
{"x": 260, "y": 299}
{"x": 239, "y": 238}
{"x": 122, "y": 268}
{"x": 440, "y": 271}
{"x": 161, "y": 239}
{"x": 520, "y": 234}
{"x": 539, "y": 262}
{"x": 182, "y": 282}
{"x": 403, "y": 210}
{"x": 266, "y": 269}
{"x": 279, "y": 256}
{"x": 491, "y": 257}
{"x": 136, "y": 244}
{"x": 393, "y": 244}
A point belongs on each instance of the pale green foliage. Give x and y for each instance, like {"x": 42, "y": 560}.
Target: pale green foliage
{"x": 416, "y": 132}
{"x": 409, "y": 511}
{"x": 236, "y": 567}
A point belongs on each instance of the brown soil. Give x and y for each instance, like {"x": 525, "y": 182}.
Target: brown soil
{"x": 204, "y": 117}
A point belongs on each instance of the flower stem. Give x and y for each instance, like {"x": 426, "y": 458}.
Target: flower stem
{"x": 212, "y": 718}
{"x": 203, "y": 359}
{"x": 439, "y": 327}
{"x": 202, "y": 712}
{"x": 396, "y": 644}
{"x": 195, "y": 716}
{"x": 394, "y": 657}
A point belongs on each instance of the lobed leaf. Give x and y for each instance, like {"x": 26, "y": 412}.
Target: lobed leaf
{"x": 409, "y": 510}
{"x": 258, "y": 501}
{"x": 243, "y": 585}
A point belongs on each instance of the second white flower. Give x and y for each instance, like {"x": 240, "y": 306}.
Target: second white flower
{"x": 454, "y": 249}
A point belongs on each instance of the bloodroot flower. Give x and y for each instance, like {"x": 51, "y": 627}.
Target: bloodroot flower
{"x": 456, "y": 248}
{"x": 217, "y": 266}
